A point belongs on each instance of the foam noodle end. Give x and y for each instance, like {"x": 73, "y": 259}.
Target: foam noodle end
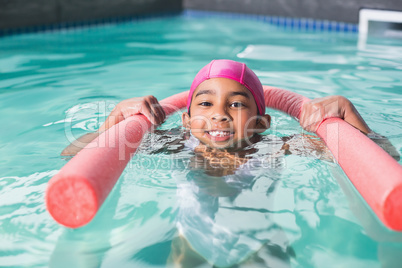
{"x": 393, "y": 209}
{"x": 71, "y": 201}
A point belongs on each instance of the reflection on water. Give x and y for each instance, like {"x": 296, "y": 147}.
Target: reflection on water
{"x": 222, "y": 220}
{"x": 269, "y": 208}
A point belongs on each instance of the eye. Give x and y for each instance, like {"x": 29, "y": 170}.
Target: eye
{"x": 205, "y": 103}
{"x": 237, "y": 105}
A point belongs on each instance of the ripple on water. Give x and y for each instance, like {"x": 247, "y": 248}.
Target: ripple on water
{"x": 70, "y": 71}
{"x": 27, "y": 232}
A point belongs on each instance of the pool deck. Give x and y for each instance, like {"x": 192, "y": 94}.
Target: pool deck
{"x": 18, "y": 14}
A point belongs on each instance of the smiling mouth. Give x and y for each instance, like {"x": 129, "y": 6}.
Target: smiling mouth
{"x": 217, "y": 133}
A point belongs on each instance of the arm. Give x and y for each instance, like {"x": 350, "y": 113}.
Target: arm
{"x": 317, "y": 110}
{"x": 148, "y": 106}
{"x": 79, "y": 143}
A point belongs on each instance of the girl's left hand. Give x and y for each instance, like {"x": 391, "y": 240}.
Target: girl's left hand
{"x": 317, "y": 110}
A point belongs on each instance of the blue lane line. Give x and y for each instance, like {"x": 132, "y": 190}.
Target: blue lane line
{"x": 283, "y": 22}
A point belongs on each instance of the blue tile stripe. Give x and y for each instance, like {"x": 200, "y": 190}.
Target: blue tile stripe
{"x": 283, "y": 22}
{"x": 86, "y": 23}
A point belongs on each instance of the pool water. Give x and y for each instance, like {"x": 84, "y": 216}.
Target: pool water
{"x": 56, "y": 86}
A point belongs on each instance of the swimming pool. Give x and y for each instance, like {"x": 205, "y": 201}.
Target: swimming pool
{"x": 62, "y": 84}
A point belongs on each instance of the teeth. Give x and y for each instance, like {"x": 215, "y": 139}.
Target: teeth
{"x": 219, "y": 133}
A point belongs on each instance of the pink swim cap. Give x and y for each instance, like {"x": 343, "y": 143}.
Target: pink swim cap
{"x": 233, "y": 70}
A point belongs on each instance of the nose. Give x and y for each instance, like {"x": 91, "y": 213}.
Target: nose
{"x": 220, "y": 113}
{"x": 220, "y": 117}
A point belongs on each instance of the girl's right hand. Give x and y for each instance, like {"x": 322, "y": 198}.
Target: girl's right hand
{"x": 147, "y": 106}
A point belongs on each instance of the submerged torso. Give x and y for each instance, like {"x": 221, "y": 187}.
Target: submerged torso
{"x": 216, "y": 192}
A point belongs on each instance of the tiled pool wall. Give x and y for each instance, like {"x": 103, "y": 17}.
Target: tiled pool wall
{"x": 332, "y": 10}
{"x": 21, "y": 15}
{"x": 31, "y": 15}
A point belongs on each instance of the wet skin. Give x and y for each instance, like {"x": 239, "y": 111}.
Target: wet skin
{"x": 223, "y": 114}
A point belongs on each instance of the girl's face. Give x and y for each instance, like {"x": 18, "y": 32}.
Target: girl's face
{"x": 224, "y": 114}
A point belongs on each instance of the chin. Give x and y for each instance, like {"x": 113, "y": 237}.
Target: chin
{"x": 232, "y": 144}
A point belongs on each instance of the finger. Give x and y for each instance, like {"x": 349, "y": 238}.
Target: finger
{"x": 155, "y": 113}
{"x": 161, "y": 112}
{"x": 157, "y": 110}
{"x": 146, "y": 110}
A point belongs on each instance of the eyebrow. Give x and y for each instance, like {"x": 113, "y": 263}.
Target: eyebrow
{"x": 235, "y": 93}
{"x": 213, "y": 92}
{"x": 205, "y": 91}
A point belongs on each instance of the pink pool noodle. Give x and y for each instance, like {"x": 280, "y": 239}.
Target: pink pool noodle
{"x": 75, "y": 194}
{"x": 374, "y": 173}
{"x": 77, "y": 191}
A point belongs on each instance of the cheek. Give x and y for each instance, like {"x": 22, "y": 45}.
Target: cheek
{"x": 244, "y": 119}
{"x": 198, "y": 122}
{"x": 195, "y": 125}
{"x": 245, "y": 123}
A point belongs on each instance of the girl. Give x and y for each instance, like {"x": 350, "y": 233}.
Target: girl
{"x": 226, "y": 111}
{"x": 224, "y": 118}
